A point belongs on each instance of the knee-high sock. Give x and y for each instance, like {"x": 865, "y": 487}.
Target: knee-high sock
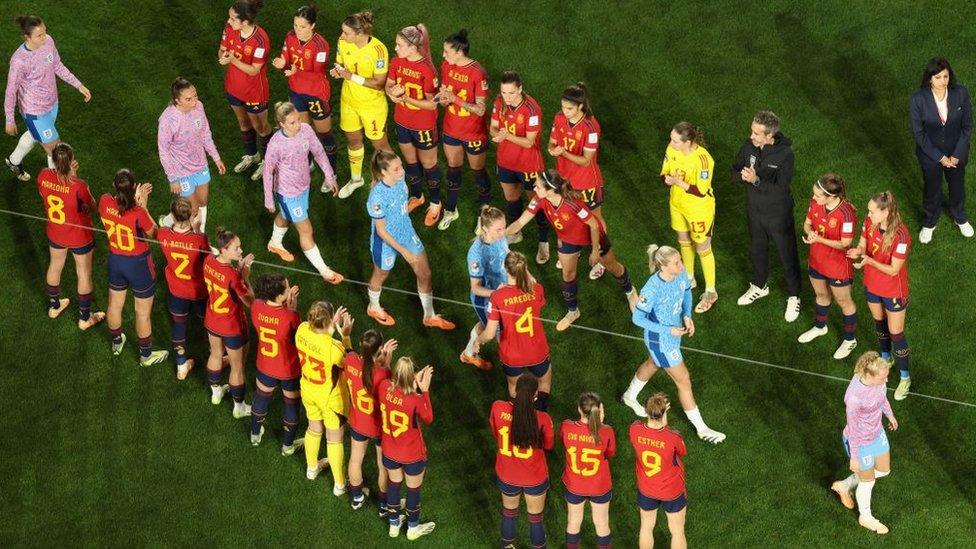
{"x": 708, "y": 268}
{"x": 624, "y": 281}
{"x": 433, "y": 176}
{"x": 237, "y": 393}
{"x": 850, "y": 326}
{"x": 178, "y": 338}
{"x": 884, "y": 337}
{"x": 688, "y": 257}
{"x": 570, "y": 291}
{"x": 393, "y": 502}
{"x": 413, "y": 507}
{"x": 900, "y": 344}
{"x": 483, "y": 182}
{"x": 315, "y": 257}
{"x": 24, "y": 146}
{"x": 820, "y": 314}
{"x": 249, "y": 138}
{"x": 329, "y": 144}
{"x": 537, "y": 530}
{"x": 454, "y": 175}
{"x": 289, "y": 420}
{"x": 53, "y": 296}
{"x": 263, "y": 141}
{"x": 202, "y": 215}
{"x": 259, "y": 409}
{"x": 312, "y": 442}
{"x": 542, "y": 223}
{"x": 863, "y": 495}
{"x": 337, "y": 461}
{"x": 415, "y": 182}
{"x": 513, "y": 209}
{"x": 509, "y": 525}
{"x": 84, "y": 306}
{"x": 356, "y": 162}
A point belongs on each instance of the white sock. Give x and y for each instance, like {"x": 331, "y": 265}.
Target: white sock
{"x": 374, "y": 300}
{"x": 427, "y": 301}
{"x": 315, "y": 257}
{"x": 469, "y": 350}
{"x": 849, "y": 483}
{"x": 277, "y": 234}
{"x": 202, "y": 214}
{"x": 863, "y": 495}
{"x": 634, "y": 389}
{"x": 168, "y": 220}
{"x": 694, "y": 416}
{"x": 23, "y": 147}
{"x": 215, "y": 390}
{"x": 880, "y": 474}
{"x": 50, "y": 162}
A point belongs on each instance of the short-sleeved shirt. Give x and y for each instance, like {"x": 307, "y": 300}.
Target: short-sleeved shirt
{"x": 835, "y": 224}
{"x": 875, "y": 281}
{"x": 251, "y": 50}
{"x": 568, "y": 219}
{"x": 486, "y": 262}
{"x": 517, "y": 466}
{"x": 577, "y": 139}
{"x": 419, "y": 80}
{"x": 276, "y": 325}
{"x": 523, "y": 341}
{"x": 390, "y": 203}
{"x": 310, "y": 60}
{"x": 225, "y": 302}
{"x": 126, "y": 230}
{"x": 185, "y": 253}
{"x": 587, "y": 470}
{"x": 659, "y": 469}
{"x": 368, "y": 61}
{"x": 68, "y": 206}
{"x": 469, "y": 83}
{"x": 519, "y": 121}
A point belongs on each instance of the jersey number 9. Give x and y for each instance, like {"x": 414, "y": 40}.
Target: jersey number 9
{"x": 651, "y": 461}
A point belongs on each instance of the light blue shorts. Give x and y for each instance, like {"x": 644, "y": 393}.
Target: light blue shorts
{"x": 294, "y": 209}
{"x": 869, "y": 452}
{"x": 664, "y": 351}
{"x": 41, "y": 126}
{"x": 189, "y": 183}
{"x": 384, "y": 256}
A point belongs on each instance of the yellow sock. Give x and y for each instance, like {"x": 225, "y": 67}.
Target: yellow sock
{"x": 708, "y": 269}
{"x": 337, "y": 457}
{"x": 356, "y": 162}
{"x": 688, "y": 257}
{"x": 312, "y": 443}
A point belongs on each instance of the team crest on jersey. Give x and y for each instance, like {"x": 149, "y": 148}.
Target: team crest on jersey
{"x": 308, "y": 54}
{"x": 703, "y": 174}
{"x": 376, "y": 208}
{"x": 247, "y": 50}
{"x": 832, "y": 223}
{"x": 565, "y": 216}
{"x": 519, "y": 119}
{"x": 380, "y": 63}
{"x": 305, "y": 145}
{"x": 579, "y": 134}
{"x": 474, "y": 265}
{"x": 198, "y": 123}
{"x": 49, "y": 57}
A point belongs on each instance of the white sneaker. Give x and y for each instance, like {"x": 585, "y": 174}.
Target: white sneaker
{"x": 811, "y": 334}
{"x": 338, "y": 489}
{"x": 241, "y": 410}
{"x": 925, "y": 235}
{"x": 845, "y": 349}
{"x": 256, "y": 439}
{"x": 311, "y": 473}
{"x": 295, "y": 446}
{"x": 217, "y": 393}
{"x": 18, "y": 171}
{"x": 395, "y": 528}
{"x": 634, "y": 405}
{"x": 515, "y": 238}
{"x": 966, "y": 229}
{"x": 901, "y": 392}
{"x": 246, "y": 162}
{"x": 597, "y": 271}
{"x": 350, "y": 187}
{"x": 694, "y": 283}
{"x": 792, "y": 308}
{"x": 258, "y": 171}
{"x": 753, "y": 293}
{"x": 446, "y": 219}
{"x": 419, "y": 530}
{"x": 358, "y": 503}
{"x": 542, "y": 254}
{"x": 711, "y": 435}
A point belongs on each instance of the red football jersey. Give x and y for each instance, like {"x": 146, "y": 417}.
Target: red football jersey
{"x": 400, "y": 416}
{"x": 68, "y": 207}
{"x": 419, "y": 80}
{"x": 577, "y": 138}
{"x": 184, "y": 253}
{"x": 364, "y": 414}
{"x": 658, "y": 453}
{"x": 275, "y": 325}
{"x": 523, "y": 340}
{"x": 836, "y": 224}
{"x": 569, "y": 219}
{"x": 587, "y": 471}
{"x": 521, "y": 120}
{"x": 522, "y": 467}
{"x": 311, "y": 61}
{"x": 125, "y": 230}
{"x": 469, "y": 83}
{"x": 225, "y": 288}
{"x": 251, "y": 50}
{"x": 876, "y": 281}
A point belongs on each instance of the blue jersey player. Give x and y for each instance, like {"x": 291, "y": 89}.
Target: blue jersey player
{"x": 664, "y": 312}
{"x": 393, "y": 234}
{"x": 486, "y": 268}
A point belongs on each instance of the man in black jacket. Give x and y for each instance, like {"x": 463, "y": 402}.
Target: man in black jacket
{"x": 765, "y": 165}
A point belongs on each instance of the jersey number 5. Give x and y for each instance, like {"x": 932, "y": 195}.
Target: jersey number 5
{"x": 269, "y": 347}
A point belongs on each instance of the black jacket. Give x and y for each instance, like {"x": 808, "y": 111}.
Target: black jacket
{"x": 933, "y": 140}
{"x": 774, "y": 166}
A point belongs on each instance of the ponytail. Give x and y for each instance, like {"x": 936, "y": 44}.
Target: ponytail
{"x": 487, "y": 216}
{"x": 224, "y": 238}
{"x": 320, "y": 315}
{"x": 63, "y": 156}
{"x": 525, "y": 423}
{"x": 657, "y": 405}
{"x": 689, "y": 132}
{"x": 369, "y": 346}
{"x": 418, "y": 37}
{"x": 660, "y": 256}
{"x": 517, "y": 266}
{"x": 28, "y": 23}
{"x": 459, "y": 42}
{"x": 579, "y": 96}
{"x": 589, "y": 406}
{"x": 125, "y": 190}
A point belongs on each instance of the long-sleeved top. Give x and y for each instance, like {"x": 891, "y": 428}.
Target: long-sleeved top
{"x": 286, "y": 164}
{"x": 663, "y": 304}
{"x": 934, "y": 137}
{"x": 865, "y": 404}
{"x": 184, "y": 141}
{"x": 774, "y": 166}
{"x": 31, "y": 82}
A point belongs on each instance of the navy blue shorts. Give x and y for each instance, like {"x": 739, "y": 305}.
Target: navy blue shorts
{"x": 136, "y": 271}
{"x": 593, "y": 198}
{"x": 471, "y": 147}
{"x": 891, "y": 304}
{"x": 512, "y": 490}
{"x": 576, "y": 499}
{"x": 252, "y": 108}
{"x": 570, "y": 249}
{"x": 835, "y": 282}
{"x": 80, "y": 250}
{"x": 183, "y": 307}
{"x": 526, "y": 179}
{"x": 650, "y": 504}
{"x": 424, "y": 140}
{"x": 271, "y": 382}
{"x": 359, "y": 437}
{"x": 233, "y": 342}
{"x": 412, "y": 469}
{"x": 538, "y": 370}
{"x": 316, "y": 107}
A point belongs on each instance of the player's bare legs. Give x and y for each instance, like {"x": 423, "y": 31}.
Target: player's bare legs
{"x": 54, "y": 268}
{"x": 601, "y": 518}
{"x": 199, "y": 199}
{"x": 215, "y": 365}
{"x": 682, "y": 380}
{"x": 676, "y": 525}
{"x": 570, "y": 284}
{"x": 113, "y": 313}
{"x": 647, "y": 521}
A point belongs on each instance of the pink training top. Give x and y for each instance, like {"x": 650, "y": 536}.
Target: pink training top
{"x": 286, "y": 164}
{"x": 865, "y": 404}
{"x": 31, "y": 82}
{"x": 184, "y": 141}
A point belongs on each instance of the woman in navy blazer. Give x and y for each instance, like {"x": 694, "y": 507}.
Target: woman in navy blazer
{"x": 942, "y": 121}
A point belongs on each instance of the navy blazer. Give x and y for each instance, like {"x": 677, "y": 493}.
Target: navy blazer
{"x": 933, "y": 140}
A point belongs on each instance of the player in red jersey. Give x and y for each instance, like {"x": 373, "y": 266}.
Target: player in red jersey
{"x": 185, "y": 249}
{"x": 130, "y": 263}
{"x": 244, "y": 49}
{"x": 404, "y": 401}
{"x": 68, "y": 204}
{"x": 516, "y": 125}
{"x": 228, "y": 291}
{"x": 829, "y": 228}
{"x": 523, "y": 434}
{"x": 464, "y": 91}
{"x": 516, "y": 306}
{"x": 305, "y": 61}
{"x": 575, "y": 142}
{"x": 658, "y": 450}
{"x": 411, "y": 87}
{"x": 576, "y": 228}
{"x": 883, "y": 254}
{"x": 364, "y": 372}
{"x": 589, "y": 446}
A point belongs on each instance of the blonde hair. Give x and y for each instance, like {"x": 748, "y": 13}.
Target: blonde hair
{"x": 869, "y": 364}
{"x": 886, "y": 201}
{"x": 418, "y": 37}
{"x": 487, "y": 216}
{"x": 320, "y": 315}
{"x": 282, "y": 110}
{"x": 404, "y": 374}
{"x": 660, "y": 256}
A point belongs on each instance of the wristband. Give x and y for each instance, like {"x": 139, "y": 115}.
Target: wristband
{"x": 358, "y": 79}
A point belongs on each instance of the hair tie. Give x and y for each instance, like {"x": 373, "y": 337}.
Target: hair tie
{"x": 821, "y": 187}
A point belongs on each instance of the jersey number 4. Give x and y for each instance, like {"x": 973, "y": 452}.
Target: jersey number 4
{"x": 524, "y": 323}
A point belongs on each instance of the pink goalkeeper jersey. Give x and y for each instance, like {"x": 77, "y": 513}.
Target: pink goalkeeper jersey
{"x": 31, "y": 80}
{"x": 184, "y": 141}
{"x": 865, "y": 404}
{"x": 286, "y": 164}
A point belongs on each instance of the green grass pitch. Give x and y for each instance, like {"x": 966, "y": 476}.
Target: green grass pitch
{"x": 100, "y": 452}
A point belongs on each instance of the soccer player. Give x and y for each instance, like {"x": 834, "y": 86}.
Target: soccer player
{"x": 228, "y": 292}
{"x": 364, "y": 372}
{"x": 32, "y": 85}
{"x": 184, "y": 141}
{"x": 392, "y": 234}
{"x": 324, "y": 392}
{"x": 523, "y": 434}
{"x": 589, "y": 446}
{"x": 865, "y": 441}
{"x": 404, "y": 401}
{"x": 305, "y": 59}
{"x": 658, "y": 450}
{"x": 576, "y": 228}
{"x": 274, "y": 315}
{"x": 68, "y": 204}
{"x": 362, "y": 64}
{"x": 882, "y": 252}
{"x": 185, "y": 248}
{"x": 411, "y": 87}
{"x": 486, "y": 270}
{"x": 516, "y": 305}
{"x": 574, "y": 142}
{"x": 516, "y": 126}
{"x": 829, "y": 230}
{"x": 688, "y": 170}
{"x": 244, "y": 48}
{"x": 130, "y": 262}
{"x": 287, "y": 179}
{"x": 664, "y": 312}
{"x": 464, "y": 91}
